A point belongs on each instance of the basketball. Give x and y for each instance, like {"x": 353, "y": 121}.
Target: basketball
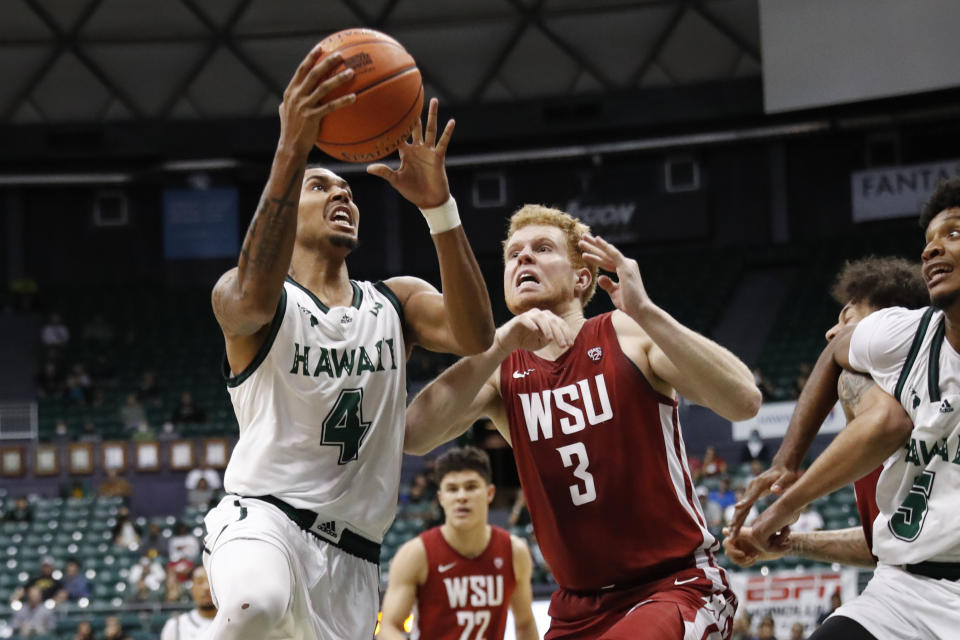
{"x": 389, "y": 96}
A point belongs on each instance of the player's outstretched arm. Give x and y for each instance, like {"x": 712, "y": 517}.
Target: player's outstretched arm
{"x": 469, "y": 389}
{"x": 864, "y": 444}
{"x": 245, "y": 298}
{"x": 698, "y": 368}
{"x": 846, "y": 546}
{"x": 408, "y": 570}
{"x": 460, "y": 320}
{"x": 521, "y": 603}
{"x": 817, "y": 398}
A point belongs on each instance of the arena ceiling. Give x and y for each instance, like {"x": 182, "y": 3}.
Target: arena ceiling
{"x": 105, "y": 61}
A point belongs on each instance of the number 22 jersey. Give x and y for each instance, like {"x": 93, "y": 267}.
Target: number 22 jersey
{"x": 603, "y": 466}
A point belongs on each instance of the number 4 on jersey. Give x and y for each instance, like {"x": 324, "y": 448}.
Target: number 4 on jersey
{"x": 344, "y": 426}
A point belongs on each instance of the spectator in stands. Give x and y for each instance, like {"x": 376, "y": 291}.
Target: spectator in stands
{"x": 710, "y": 466}
{"x": 763, "y": 383}
{"x": 206, "y": 472}
{"x": 98, "y": 331}
{"x": 102, "y": 369}
{"x": 183, "y": 550}
{"x": 755, "y": 449}
{"x": 125, "y": 533}
{"x": 89, "y": 432}
{"x": 186, "y": 411}
{"x": 808, "y": 520}
{"x": 519, "y": 514}
{"x": 723, "y": 495}
{"x": 79, "y": 384}
{"x": 48, "y": 585}
{"x": 132, "y": 412}
{"x": 50, "y": 382}
{"x": 147, "y": 579}
{"x": 115, "y": 486}
{"x": 200, "y": 496}
{"x": 55, "y": 333}
{"x": 77, "y": 489}
{"x": 193, "y": 624}
{"x": 84, "y": 631}
{"x": 143, "y": 433}
{"x": 74, "y": 582}
{"x": 756, "y": 468}
{"x": 61, "y": 433}
{"x": 741, "y": 626}
{"x": 766, "y": 630}
{"x": 34, "y": 618}
{"x": 153, "y": 540}
{"x": 835, "y": 603}
{"x": 21, "y": 511}
{"x": 711, "y": 510}
{"x": 796, "y": 631}
{"x": 803, "y": 372}
{"x": 112, "y": 629}
{"x": 149, "y": 391}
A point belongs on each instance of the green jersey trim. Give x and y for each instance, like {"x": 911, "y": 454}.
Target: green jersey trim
{"x": 912, "y": 356}
{"x": 382, "y": 287}
{"x": 323, "y": 308}
{"x": 357, "y": 295}
{"x": 933, "y": 366}
{"x": 264, "y": 348}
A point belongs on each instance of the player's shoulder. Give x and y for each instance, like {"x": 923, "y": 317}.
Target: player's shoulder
{"x": 518, "y": 544}
{"x": 406, "y": 286}
{"x": 893, "y": 324}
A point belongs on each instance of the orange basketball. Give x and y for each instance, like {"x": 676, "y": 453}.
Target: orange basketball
{"x": 389, "y": 96}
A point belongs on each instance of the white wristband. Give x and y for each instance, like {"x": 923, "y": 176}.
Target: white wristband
{"x": 442, "y": 218}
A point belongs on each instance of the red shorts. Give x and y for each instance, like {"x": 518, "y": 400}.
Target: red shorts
{"x": 695, "y": 606}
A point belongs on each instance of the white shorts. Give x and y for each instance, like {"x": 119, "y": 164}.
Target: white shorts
{"x": 897, "y": 604}
{"x": 334, "y": 595}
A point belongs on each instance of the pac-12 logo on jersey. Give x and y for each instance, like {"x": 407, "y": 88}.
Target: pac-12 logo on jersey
{"x": 539, "y": 414}
{"x": 595, "y": 354}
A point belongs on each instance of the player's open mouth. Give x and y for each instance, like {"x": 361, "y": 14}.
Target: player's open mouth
{"x": 340, "y": 217}
{"x": 937, "y": 272}
{"x": 525, "y": 277}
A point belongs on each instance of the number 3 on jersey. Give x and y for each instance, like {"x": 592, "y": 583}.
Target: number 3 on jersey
{"x": 567, "y": 454}
{"x": 344, "y": 426}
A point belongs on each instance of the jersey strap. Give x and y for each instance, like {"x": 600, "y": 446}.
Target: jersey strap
{"x": 914, "y": 352}
{"x": 388, "y": 293}
{"x": 933, "y": 367}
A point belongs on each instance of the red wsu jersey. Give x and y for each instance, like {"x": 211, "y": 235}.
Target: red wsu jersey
{"x": 866, "y": 490}
{"x": 603, "y": 466}
{"x": 465, "y": 597}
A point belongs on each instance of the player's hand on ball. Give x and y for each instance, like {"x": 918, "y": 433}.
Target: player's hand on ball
{"x": 776, "y": 479}
{"x": 305, "y": 100}
{"x": 422, "y": 176}
{"x": 628, "y": 291}
{"x": 532, "y": 330}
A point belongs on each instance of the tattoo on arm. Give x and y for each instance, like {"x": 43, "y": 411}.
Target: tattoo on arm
{"x": 846, "y": 546}
{"x": 851, "y": 388}
{"x": 267, "y": 229}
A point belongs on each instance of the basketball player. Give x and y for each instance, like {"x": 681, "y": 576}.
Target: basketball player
{"x": 862, "y": 287}
{"x": 315, "y": 367}
{"x": 463, "y": 575}
{"x": 193, "y": 625}
{"x": 590, "y": 408}
{"x": 911, "y": 354}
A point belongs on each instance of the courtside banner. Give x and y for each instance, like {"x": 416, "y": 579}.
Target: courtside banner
{"x": 772, "y": 420}
{"x": 790, "y": 596}
{"x": 896, "y": 192}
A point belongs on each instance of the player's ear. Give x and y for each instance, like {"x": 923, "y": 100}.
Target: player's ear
{"x": 491, "y": 491}
{"x": 582, "y": 280}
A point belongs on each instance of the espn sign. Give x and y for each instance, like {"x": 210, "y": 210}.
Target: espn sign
{"x": 777, "y": 588}
{"x": 792, "y": 596}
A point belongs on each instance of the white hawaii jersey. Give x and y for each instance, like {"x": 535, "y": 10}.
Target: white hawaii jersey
{"x": 919, "y": 488}
{"x": 321, "y": 408}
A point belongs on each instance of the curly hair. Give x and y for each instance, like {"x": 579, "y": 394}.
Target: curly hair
{"x": 945, "y": 196}
{"x": 463, "y": 459}
{"x": 881, "y": 283}
{"x": 573, "y": 230}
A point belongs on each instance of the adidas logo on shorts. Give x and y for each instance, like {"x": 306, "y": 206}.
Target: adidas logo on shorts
{"x": 329, "y": 528}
